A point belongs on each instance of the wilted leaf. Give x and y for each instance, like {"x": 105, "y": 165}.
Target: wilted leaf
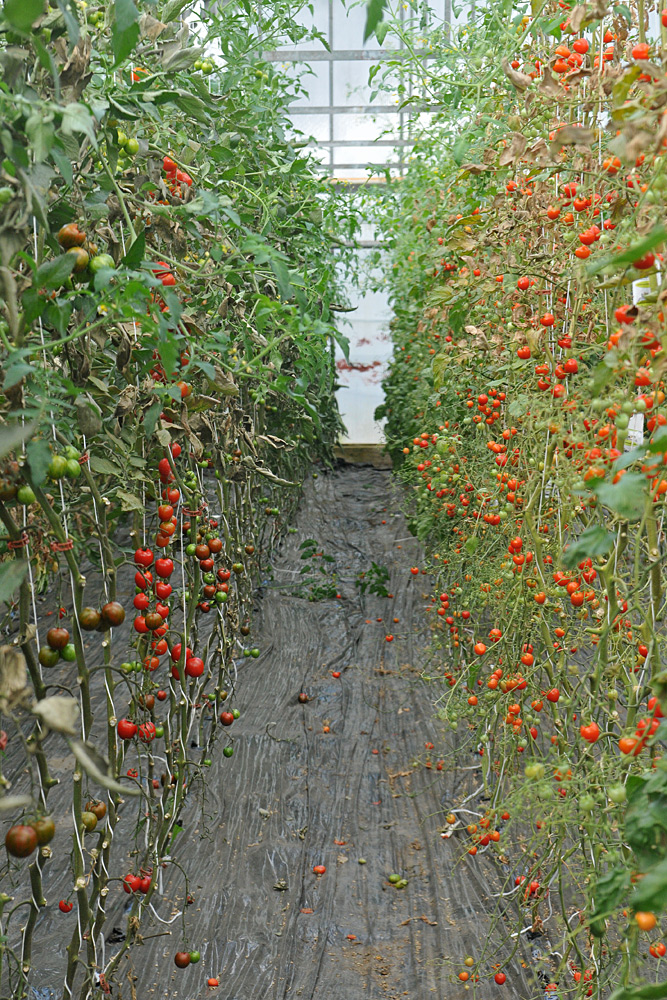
{"x": 512, "y": 153}
{"x": 58, "y": 713}
{"x": 520, "y": 80}
{"x": 182, "y": 58}
{"x": 96, "y": 767}
{"x": 128, "y": 501}
{"x": 224, "y": 382}
{"x": 12, "y": 803}
{"x": 127, "y": 401}
{"x": 13, "y": 673}
{"x": 88, "y": 416}
{"x": 586, "y": 13}
{"x": 550, "y": 85}
{"x": 75, "y": 73}
{"x": 474, "y": 168}
{"x": 150, "y": 27}
{"x": 570, "y": 135}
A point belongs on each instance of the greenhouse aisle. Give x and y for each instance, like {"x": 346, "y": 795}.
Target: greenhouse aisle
{"x": 295, "y": 796}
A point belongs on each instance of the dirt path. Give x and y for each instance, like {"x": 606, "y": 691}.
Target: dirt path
{"x": 291, "y": 791}
{"x": 295, "y": 790}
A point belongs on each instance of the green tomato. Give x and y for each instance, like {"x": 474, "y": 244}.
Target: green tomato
{"x": 25, "y": 495}
{"x": 227, "y": 751}
{"x": 73, "y": 470}
{"x": 618, "y": 794}
{"x": 254, "y": 653}
{"x": 69, "y": 652}
{"x": 132, "y": 147}
{"x": 394, "y": 879}
{"x": 207, "y": 67}
{"x": 194, "y": 957}
{"x": 89, "y": 820}
{"x": 72, "y": 452}
{"x": 100, "y": 261}
{"x": 57, "y": 467}
{"x": 236, "y": 713}
{"x": 6, "y": 195}
{"x": 48, "y": 657}
{"x": 190, "y": 549}
{"x": 587, "y": 803}
{"x": 220, "y": 597}
{"x": 121, "y": 138}
{"x": 159, "y": 731}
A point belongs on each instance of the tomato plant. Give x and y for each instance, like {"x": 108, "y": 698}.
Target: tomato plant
{"x": 525, "y": 410}
{"x": 167, "y": 291}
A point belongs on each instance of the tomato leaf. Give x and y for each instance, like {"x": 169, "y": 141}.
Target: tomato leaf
{"x": 12, "y": 574}
{"x": 626, "y": 497}
{"x": 282, "y": 274}
{"x": 124, "y": 30}
{"x": 135, "y": 255}
{"x": 609, "y": 891}
{"x": 653, "y": 991}
{"x": 97, "y": 767}
{"x": 21, "y": 14}
{"x": 15, "y": 371}
{"x": 651, "y": 891}
{"x": 173, "y": 9}
{"x": 594, "y": 541}
{"x": 657, "y": 236}
{"x": 38, "y": 454}
{"x": 128, "y": 501}
{"x": 54, "y": 273}
{"x": 374, "y": 14}
{"x": 11, "y": 436}
{"x": 103, "y": 466}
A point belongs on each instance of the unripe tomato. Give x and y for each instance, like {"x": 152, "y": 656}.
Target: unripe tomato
{"x": 71, "y": 236}
{"x": 45, "y": 829}
{"x": 20, "y": 840}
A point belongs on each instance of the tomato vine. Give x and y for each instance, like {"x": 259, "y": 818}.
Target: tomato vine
{"x": 166, "y": 347}
{"x": 525, "y": 413}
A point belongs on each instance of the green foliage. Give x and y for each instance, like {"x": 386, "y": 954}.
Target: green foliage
{"x": 374, "y": 580}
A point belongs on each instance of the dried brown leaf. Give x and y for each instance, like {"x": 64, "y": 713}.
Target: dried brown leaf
{"x": 520, "y": 80}
{"x": 512, "y": 152}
